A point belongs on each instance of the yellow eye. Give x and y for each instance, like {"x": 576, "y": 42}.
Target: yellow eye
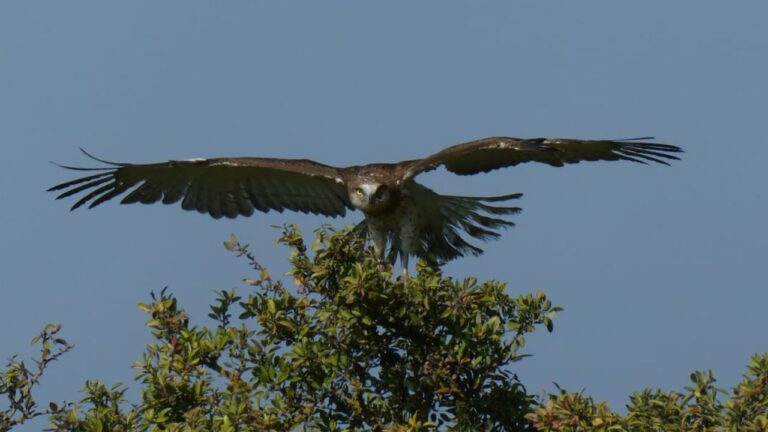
{"x": 358, "y": 192}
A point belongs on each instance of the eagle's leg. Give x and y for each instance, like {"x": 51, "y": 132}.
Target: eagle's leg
{"x": 404, "y": 261}
{"x": 379, "y": 239}
{"x": 407, "y": 246}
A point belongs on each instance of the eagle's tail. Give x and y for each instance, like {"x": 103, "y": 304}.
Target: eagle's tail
{"x": 479, "y": 217}
{"x": 440, "y": 238}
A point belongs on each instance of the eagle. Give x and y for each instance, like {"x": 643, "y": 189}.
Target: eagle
{"x": 413, "y": 220}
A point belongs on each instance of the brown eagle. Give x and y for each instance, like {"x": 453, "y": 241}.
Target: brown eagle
{"x": 412, "y": 219}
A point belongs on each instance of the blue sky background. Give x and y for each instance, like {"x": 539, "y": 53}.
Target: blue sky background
{"x": 661, "y": 270}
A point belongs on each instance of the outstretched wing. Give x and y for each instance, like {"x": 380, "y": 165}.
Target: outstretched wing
{"x": 220, "y": 187}
{"x": 488, "y": 154}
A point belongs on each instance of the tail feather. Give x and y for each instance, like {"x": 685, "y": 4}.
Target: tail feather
{"x": 444, "y": 242}
{"x": 493, "y": 223}
{"x": 441, "y": 234}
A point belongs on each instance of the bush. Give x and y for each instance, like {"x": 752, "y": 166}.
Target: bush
{"x": 347, "y": 346}
{"x": 696, "y": 409}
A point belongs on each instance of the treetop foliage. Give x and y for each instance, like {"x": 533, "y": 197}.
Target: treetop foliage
{"x": 343, "y": 345}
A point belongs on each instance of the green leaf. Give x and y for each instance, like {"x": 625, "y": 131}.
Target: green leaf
{"x": 231, "y": 243}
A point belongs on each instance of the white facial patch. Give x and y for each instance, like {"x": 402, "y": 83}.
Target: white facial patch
{"x": 369, "y": 188}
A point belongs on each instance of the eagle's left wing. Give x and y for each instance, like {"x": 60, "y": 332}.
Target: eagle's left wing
{"x": 488, "y": 154}
{"x": 220, "y": 187}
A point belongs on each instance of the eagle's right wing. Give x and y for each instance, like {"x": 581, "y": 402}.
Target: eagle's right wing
{"x": 492, "y": 153}
{"x": 220, "y": 187}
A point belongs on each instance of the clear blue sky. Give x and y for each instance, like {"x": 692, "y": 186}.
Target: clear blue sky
{"x": 661, "y": 270}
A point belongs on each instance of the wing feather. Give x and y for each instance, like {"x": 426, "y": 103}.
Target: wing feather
{"x": 114, "y": 191}
{"x": 245, "y": 206}
{"x": 83, "y": 187}
{"x": 66, "y": 185}
{"x": 229, "y": 203}
{"x": 151, "y": 193}
{"x": 195, "y": 197}
{"x": 220, "y": 187}
{"x": 135, "y": 195}
{"x": 174, "y": 191}
{"x": 273, "y": 192}
{"x": 488, "y": 154}
{"x": 91, "y": 195}
{"x": 214, "y": 203}
{"x": 326, "y": 199}
{"x": 256, "y": 195}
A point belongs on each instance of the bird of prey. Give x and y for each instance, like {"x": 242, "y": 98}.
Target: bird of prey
{"x": 412, "y": 219}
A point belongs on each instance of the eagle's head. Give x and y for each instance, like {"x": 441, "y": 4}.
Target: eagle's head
{"x": 371, "y": 197}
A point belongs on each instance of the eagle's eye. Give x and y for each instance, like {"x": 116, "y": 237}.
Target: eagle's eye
{"x": 359, "y": 192}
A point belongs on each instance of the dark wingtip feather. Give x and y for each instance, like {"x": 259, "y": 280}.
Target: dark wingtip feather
{"x": 67, "y": 184}
{"x": 93, "y": 194}
{"x": 632, "y": 159}
{"x": 645, "y": 138}
{"x": 102, "y": 160}
{"x": 643, "y": 156}
{"x": 662, "y": 147}
{"x": 79, "y": 168}
{"x": 497, "y": 198}
{"x": 658, "y": 147}
{"x": 82, "y": 187}
{"x": 659, "y": 153}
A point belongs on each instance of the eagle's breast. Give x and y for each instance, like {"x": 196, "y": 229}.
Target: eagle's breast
{"x": 404, "y": 223}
